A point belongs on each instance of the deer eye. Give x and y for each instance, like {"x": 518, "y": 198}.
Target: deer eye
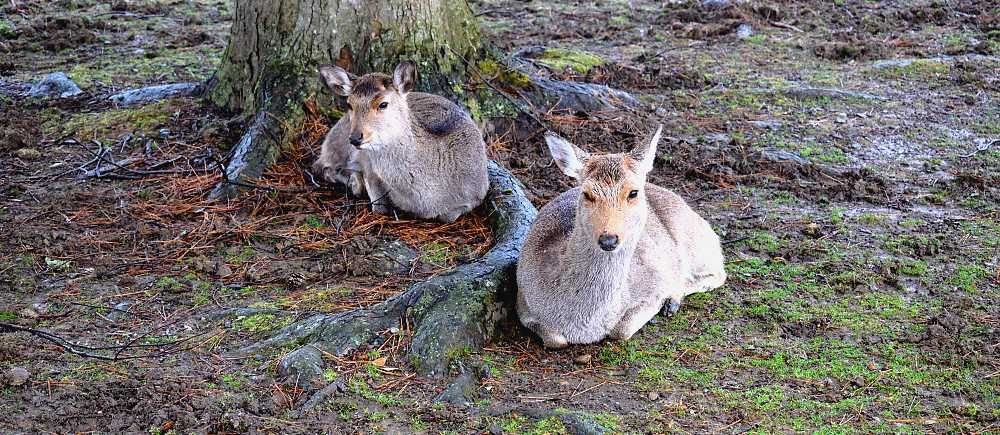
{"x": 383, "y": 105}
{"x": 588, "y": 196}
{"x": 633, "y": 194}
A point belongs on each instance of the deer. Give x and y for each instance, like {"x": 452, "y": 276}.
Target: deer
{"x": 418, "y": 152}
{"x": 603, "y": 258}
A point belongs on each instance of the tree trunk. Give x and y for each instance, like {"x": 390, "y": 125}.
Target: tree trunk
{"x": 286, "y": 39}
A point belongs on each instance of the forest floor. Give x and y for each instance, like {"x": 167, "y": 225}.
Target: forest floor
{"x": 862, "y": 228}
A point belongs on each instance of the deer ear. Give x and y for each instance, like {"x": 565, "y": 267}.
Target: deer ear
{"x": 405, "y": 76}
{"x": 338, "y": 80}
{"x": 568, "y": 157}
{"x": 645, "y": 152}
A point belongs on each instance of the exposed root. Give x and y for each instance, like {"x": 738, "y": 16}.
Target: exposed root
{"x": 576, "y": 96}
{"x": 152, "y": 94}
{"x": 816, "y": 92}
{"x": 452, "y": 313}
{"x": 273, "y": 127}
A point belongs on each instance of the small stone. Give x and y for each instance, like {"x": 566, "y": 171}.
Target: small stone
{"x": 841, "y": 118}
{"x": 55, "y": 85}
{"x": 303, "y": 366}
{"x": 714, "y": 4}
{"x": 29, "y": 313}
{"x": 462, "y": 391}
{"x": 583, "y": 359}
{"x": 766, "y": 124}
{"x": 653, "y": 396}
{"x": 223, "y": 270}
{"x": 121, "y": 309}
{"x": 28, "y": 154}
{"x": 393, "y": 257}
{"x": 744, "y": 31}
{"x": 813, "y": 230}
{"x": 17, "y": 376}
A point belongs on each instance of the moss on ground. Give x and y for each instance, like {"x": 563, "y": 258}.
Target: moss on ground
{"x": 113, "y": 123}
{"x": 578, "y": 61}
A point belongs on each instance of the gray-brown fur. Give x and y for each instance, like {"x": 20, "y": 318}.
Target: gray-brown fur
{"x": 571, "y": 290}
{"x": 418, "y": 152}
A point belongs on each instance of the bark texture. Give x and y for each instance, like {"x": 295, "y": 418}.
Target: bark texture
{"x": 272, "y": 39}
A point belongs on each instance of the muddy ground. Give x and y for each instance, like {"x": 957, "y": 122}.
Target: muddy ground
{"x": 862, "y": 229}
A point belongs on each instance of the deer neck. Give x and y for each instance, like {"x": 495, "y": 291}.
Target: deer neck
{"x": 395, "y": 149}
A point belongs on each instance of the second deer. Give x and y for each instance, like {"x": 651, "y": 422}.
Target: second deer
{"x": 604, "y": 257}
{"x": 419, "y": 152}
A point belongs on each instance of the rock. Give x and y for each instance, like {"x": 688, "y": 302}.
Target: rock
{"x": 17, "y": 376}
{"x": 841, "y": 118}
{"x": 715, "y": 4}
{"x": 583, "y": 359}
{"x": 653, "y": 396}
{"x": 718, "y": 139}
{"x": 744, "y": 31}
{"x": 304, "y": 366}
{"x": 392, "y": 258}
{"x": 813, "y": 230}
{"x": 28, "y": 154}
{"x": 462, "y": 391}
{"x": 767, "y": 124}
{"x": 223, "y": 270}
{"x": 152, "y": 94}
{"x": 962, "y": 407}
{"x": 784, "y": 156}
{"x": 28, "y": 313}
{"x": 55, "y": 85}
{"x": 121, "y": 309}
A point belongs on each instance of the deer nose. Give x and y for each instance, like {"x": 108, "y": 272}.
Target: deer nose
{"x": 608, "y": 242}
{"x": 355, "y": 139}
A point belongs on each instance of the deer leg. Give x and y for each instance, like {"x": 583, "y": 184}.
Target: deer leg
{"x": 377, "y": 193}
{"x": 671, "y": 306}
{"x": 450, "y": 215}
{"x": 332, "y": 162}
{"x": 633, "y": 320}
{"x": 551, "y": 339}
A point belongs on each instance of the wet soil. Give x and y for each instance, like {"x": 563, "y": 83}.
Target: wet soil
{"x": 862, "y": 234}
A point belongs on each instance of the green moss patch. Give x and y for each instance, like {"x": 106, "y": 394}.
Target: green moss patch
{"x": 580, "y": 62}
{"x": 113, "y": 123}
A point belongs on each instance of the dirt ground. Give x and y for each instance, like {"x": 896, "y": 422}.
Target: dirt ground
{"x": 862, "y": 228}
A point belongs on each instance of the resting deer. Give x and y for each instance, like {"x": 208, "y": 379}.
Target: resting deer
{"x": 419, "y": 152}
{"x": 604, "y": 257}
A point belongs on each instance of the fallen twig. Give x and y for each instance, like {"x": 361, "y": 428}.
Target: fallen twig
{"x": 91, "y": 351}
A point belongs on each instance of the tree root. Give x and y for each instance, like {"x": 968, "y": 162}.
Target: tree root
{"x": 576, "y": 422}
{"x": 153, "y": 94}
{"x": 563, "y": 95}
{"x": 577, "y": 96}
{"x": 273, "y": 126}
{"x": 452, "y": 314}
{"x": 816, "y": 92}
